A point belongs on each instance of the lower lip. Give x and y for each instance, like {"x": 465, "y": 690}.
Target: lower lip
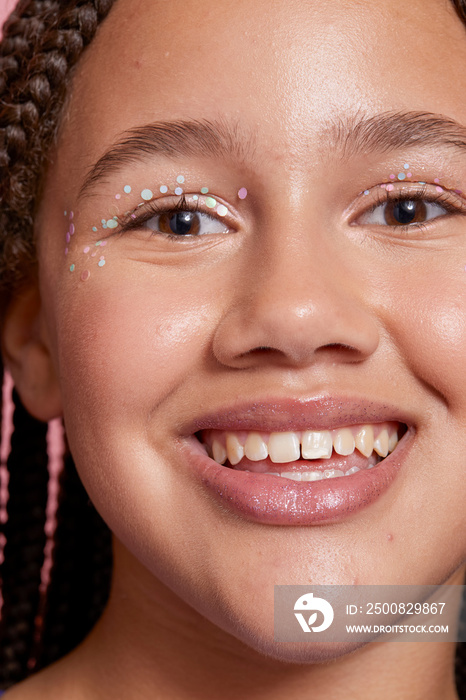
{"x": 275, "y": 500}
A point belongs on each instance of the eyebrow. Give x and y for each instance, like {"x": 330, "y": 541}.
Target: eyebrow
{"x": 390, "y": 131}
{"x": 172, "y": 139}
{"x": 351, "y": 135}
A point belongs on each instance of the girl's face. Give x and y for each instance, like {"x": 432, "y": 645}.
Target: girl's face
{"x": 318, "y": 285}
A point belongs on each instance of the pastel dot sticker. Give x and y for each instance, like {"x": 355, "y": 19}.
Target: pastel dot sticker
{"x": 392, "y": 176}
{"x": 98, "y": 243}
{"x": 111, "y": 223}
{"x": 195, "y": 197}
{"x": 102, "y": 243}
{"x": 127, "y": 189}
{"x": 180, "y": 179}
{"x": 94, "y": 228}
{"x": 71, "y": 215}
{"x": 72, "y": 229}
{"x": 401, "y": 176}
{"x": 66, "y": 251}
{"x": 86, "y": 249}
{"x": 210, "y": 202}
{"x": 406, "y": 166}
{"x": 410, "y": 174}
{"x": 68, "y": 237}
{"x": 222, "y": 210}
{"x": 439, "y": 189}
{"x": 390, "y": 188}
{"x": 72, "y": 268}
{"x": 242, "y": 193}
{"x": 118, "y": 196}
{"x": 436, "y": 181}
{"x": 65, "y": 213}
{"x": 366, "y": 191}
{"x": 204, "y": 190}
{"x": 85, "y": 274}
{"x": 146, "y": 195}
{"x": 179, "y": 190}
{"x": 163, "y": 189}
{"x": 101, "y": 263}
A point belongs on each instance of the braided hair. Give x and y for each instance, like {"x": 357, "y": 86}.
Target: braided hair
{"x": 43, "y": 41}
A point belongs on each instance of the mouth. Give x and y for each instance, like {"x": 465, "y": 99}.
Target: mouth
{"x": 291, "y": 462}
{"x": 308, "y": 455}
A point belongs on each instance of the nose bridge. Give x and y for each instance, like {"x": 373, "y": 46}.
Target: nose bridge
{"x": 299, "y": 293}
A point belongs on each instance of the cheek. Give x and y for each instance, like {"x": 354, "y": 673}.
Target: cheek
{"x": 426, "y": 317}
{"x": 126, "y": 342}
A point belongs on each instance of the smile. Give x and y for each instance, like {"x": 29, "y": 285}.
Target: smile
{"x": 332, "y": 453}
{"x": 299, "y": 462}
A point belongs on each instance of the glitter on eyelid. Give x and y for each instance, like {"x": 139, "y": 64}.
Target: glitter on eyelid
{"x": 86, "y": 249}
{"x": 179, "y": 190}
{"x": 242, "y": 193}
{"x": 85, "y": 274}
{"x": 180, "y": 179}
{"x": 71, "y": 268}
{"x": 222, "y": 210}
{"x": 401, "y": 176}
{"x": 210, "y": 202}
{"x": 111, "y": 223}
{"x": 146, "y": 195}
{"x": 127, "y": 189}
{"x": 163, "y": 189}
{"x": 204, "y": 190}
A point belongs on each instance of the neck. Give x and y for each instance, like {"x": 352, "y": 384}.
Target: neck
{"x": 150, "y": 643}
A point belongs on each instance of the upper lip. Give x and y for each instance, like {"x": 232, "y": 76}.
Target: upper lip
{"x": 324, "y": 412}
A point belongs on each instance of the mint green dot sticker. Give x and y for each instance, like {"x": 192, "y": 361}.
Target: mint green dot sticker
{"x": 210, "y": 202}
{"x": 146, "y": 195}
{"x": 127, "y": 189}
{"x": 111, "y": 223}
{"x": 71, "y": 268}
{"x": 204, "y": 190}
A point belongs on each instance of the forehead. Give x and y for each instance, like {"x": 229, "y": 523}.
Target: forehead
{"x": 283, "y": 70}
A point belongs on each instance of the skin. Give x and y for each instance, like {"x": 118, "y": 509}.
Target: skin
{"x": 155, "y": 337}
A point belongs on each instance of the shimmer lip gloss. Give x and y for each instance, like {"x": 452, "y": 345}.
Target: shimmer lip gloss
{"x": 274, "y": 500}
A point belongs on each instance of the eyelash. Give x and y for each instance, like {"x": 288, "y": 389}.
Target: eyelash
{"x": 153, "y": 208}
{"x": 451, "y": 202}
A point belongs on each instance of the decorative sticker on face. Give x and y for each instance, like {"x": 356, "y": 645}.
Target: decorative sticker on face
{"x": 83, "y": 255}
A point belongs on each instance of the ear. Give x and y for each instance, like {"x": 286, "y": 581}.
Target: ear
{"x": 27, "y": 355}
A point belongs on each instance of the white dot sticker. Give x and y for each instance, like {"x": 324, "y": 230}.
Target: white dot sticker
{"x": 146, "y": 195}
{"x": 163, "y": 189}
{"x": 180, "y": 179}
{"x": 222, "y": 210}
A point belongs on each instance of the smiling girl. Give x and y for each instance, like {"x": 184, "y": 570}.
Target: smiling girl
{"x": 233, "y": 259}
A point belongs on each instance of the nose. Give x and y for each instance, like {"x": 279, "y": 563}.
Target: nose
{"x": 297, "y": 303}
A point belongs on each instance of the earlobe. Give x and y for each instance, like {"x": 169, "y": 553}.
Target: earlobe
{"x": 27, "y": 355}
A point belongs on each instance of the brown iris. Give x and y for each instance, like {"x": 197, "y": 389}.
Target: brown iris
{"x": 180, "y": 223}
{"x": 405, "y": 212}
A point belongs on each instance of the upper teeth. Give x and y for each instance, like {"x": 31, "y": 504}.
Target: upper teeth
{"x": 308, "y": 444}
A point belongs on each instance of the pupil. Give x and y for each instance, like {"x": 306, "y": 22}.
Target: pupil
{"x": 404, "y": 212}
{"x": 181, "y": 222}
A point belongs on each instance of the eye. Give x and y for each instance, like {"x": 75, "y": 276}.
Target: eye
{"x": 185, "y": 223}
{"x": 403, "y": 212}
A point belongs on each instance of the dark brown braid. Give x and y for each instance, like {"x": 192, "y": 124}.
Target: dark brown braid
{"x": 42, "y": 43}
{"x": 43, "y": 40}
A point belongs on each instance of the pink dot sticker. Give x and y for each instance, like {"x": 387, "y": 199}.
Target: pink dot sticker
{"x": 242, "y": 193}
{"x": 392, "y": 176}
{"x": 85, "y": 274}
{"x": 72, "y": 229}
{"x": 102, "y": 243}
{"x": 86, "y": 249}
{"x": 118, "y": 196}
{"x": 436, "y": 180}
{"x": 390, "y": 188}
{"x": 68, "y": 237}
